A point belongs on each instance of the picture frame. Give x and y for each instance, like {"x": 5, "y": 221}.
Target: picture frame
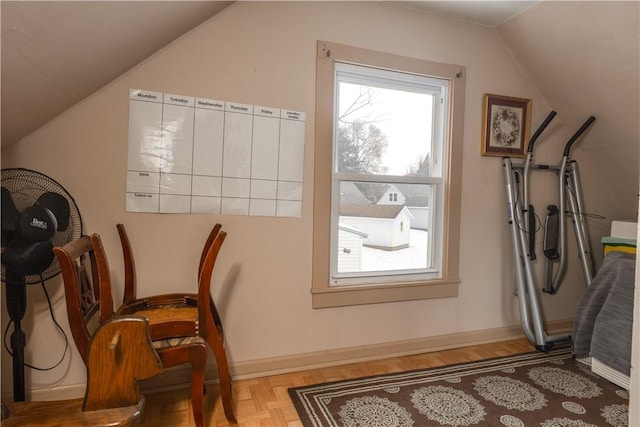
{"x": 506, "y": 123}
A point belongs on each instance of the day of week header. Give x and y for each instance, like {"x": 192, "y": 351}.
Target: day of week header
{"x": 239, "y": 108}
{"x": 187, "y": 101}
{"x": 145, "y": 95}
{"x": 235, "y": 107}
{"x": 209, "y": 103}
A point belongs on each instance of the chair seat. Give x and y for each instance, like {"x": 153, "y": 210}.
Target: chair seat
{"x": 171, "y": 325}
{"x": 172, "y": 313}
{"x": 176, "y": 341}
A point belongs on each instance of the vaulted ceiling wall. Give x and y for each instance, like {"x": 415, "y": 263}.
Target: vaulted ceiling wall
{"x": 583, "y": 56}
{"x": 54, "y": 54}
{"x": 584, "y": 59}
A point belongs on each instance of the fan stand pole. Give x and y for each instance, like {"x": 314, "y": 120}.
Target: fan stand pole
{"x": 16, "y": 291}
{"x": 17, "y": 346}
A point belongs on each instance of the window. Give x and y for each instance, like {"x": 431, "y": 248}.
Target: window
{"x": 387, "y": 177}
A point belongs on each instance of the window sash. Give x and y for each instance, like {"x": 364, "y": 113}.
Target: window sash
{"x": 437, "y": 87}
{"x": 400, "y": 81}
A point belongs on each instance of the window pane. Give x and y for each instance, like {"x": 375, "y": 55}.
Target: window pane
{"x": 383, "y": 131}
{"x": 377, "y": 234}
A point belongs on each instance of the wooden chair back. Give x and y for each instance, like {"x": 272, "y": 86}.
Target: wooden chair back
{"x": 206, "y": 307}
{"x": 120, "y": 354}
{"x": 87, "y": 286}
{"x": 130, "y": 278}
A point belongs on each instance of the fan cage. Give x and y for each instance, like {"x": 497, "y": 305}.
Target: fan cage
{"x": 25, "y": 187}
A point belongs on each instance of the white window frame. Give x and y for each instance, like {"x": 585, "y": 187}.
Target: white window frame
{"x": 444, "y": 284}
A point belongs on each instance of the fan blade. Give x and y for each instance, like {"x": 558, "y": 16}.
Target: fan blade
{"x": 10, "y": 213}
{"x": 28, "y": 258}
{"x": 38, "y": 223}
{"x": 57, "y": 204}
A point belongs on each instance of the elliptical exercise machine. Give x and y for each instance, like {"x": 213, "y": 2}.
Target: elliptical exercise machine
{"x": 522, "y": 222}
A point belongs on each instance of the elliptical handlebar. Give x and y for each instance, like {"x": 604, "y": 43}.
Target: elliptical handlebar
{"x": 539, "y": 131}
{"x": 576, "y": 135}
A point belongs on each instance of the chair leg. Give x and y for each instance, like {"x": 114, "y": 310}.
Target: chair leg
{"x": 196, "y": 356}
{"x": 226, "y": 384}
{"x": 198, "y": 362}
{"x": 214, "y": 335}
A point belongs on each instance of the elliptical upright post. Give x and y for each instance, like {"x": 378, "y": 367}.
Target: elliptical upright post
{"x": 521, "y": 218}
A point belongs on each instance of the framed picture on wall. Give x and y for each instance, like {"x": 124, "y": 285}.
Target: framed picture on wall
{"x": 506, "y": 123}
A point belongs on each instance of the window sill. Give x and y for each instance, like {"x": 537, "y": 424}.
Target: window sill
{"x": 357, "y": 295}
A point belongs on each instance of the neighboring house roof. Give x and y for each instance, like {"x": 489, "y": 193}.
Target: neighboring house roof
{"x": 415, "y": 195}
{"x": 350, "y": 193}
{"x": 372, "y": 191}
{"x": 371, "y": 211}
{"x": 366, "y": 192}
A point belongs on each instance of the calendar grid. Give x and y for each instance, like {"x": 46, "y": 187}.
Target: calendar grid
{"x": 198, "y": 155}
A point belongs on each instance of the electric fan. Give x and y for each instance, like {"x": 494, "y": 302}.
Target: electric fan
{"x": 37, "y": 214}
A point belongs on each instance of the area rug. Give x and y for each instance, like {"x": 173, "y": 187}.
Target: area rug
{"x": 533, "y": 389}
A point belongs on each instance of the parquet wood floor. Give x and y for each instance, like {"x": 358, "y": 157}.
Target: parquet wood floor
{"x": 264, "y": 402}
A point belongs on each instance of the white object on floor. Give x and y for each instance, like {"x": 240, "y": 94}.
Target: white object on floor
{"x": 611, "y": 374}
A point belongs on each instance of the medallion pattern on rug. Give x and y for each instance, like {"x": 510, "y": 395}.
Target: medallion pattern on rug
{"x": 375, "y": 412}
{"x": 535, "y": 389}
{"x": 448, "y": 406}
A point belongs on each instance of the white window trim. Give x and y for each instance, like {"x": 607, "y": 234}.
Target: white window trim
{"x": 324, "y": 295}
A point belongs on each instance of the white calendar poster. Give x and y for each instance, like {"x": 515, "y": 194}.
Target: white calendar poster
{"x": 197, "y": 155}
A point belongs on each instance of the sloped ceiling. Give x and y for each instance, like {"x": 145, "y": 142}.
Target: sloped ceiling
{"x": 485, "y": 12}
{"x": 56, "y": 53}
{"x": 583, "y": 56}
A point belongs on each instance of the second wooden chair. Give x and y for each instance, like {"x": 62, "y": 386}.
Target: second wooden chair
{"x": 182, "y": 317}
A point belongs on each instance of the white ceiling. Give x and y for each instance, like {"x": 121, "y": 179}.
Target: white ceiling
{"x": 56, "y": 53}
{"x": 489, "y": 13}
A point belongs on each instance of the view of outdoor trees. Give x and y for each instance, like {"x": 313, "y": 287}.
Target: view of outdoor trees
{"x": 360, "y": 142}
{"x": 360, "y": 145}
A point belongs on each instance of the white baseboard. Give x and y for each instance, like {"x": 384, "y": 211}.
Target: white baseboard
{"x": 179, "y": 377}
{"x": 75, "y": 391}
{"x": 300, "y": 362}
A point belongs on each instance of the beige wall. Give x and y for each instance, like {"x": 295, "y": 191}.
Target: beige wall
{"x": 264, "y": 53}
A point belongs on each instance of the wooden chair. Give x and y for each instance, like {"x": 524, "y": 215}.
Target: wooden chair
{"x": 184, "y": 315}
{"x": 120, "y": 353}
{"x": 87, "y": 283}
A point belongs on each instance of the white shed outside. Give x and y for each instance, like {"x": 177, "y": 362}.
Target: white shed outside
{"x": 387, "y": 226}
{"x": 350, "y": 242}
